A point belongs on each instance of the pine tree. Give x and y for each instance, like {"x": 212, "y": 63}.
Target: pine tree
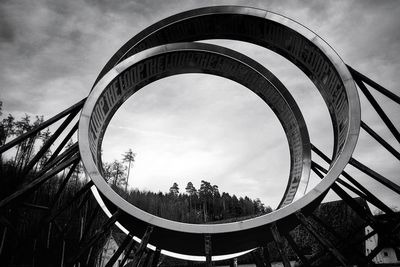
{"x": 129, "y": 157}
{"x": 174, "y": 190}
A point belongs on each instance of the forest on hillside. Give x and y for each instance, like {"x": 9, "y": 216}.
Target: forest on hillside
{"x": 205, "y": 205}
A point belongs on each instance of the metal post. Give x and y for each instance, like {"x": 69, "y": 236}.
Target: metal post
{"x": 62, "y": 253}
{"x": 48, "y": 236}
{"x": 3, "y": 240}
{"x": 208, "y": 249}
{"x": 279, "y": 244}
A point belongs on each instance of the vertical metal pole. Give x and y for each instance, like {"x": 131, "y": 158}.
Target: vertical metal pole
{"x": 88, "y": 256}
{"x": 208, "y": 249}
{"x": 3, "y": 240}
{"x": 34, "y": 252}
{"x": 48, "y": 236}
{"x": 62, "y": 253}
{"x": 279, "y": 244}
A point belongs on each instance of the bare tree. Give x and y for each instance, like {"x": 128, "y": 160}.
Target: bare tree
{"x": 129, "y": 157}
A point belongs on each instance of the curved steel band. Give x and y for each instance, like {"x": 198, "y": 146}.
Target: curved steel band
{"x": 157, "y": 63}
{"x": 297, "y": 44}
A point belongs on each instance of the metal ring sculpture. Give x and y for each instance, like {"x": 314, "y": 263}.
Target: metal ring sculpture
{"x": 291, "y": 40}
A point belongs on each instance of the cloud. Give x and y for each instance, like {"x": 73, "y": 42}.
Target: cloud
{"x": 208, "y": 128}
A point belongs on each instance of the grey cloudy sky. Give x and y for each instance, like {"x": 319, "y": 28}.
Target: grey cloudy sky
{"x": 194, "y": 127}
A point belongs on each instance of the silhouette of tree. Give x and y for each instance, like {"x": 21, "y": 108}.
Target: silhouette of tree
{"x": 174, "y": 190}
{"x": 129, "y": 157}
{"x": 117, "y": 173}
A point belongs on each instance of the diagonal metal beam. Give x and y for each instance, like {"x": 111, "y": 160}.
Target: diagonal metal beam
{"x": 77, "y": 195}
{"x": 365, "y": 194}
{"x": 279, "y": 244}
{"x": 142, "y": 247}
{"x": 63, "y": 185}
{"x": 374, "y": 85}
{"x": 379, "y": 110}
{"x": 380, "y": 140}
{"x": 376, "y": 176}
{"x": 371, "y": 197}
{"x": 64, "y": 142}
{"x": 104, "y": 229}
{"x": 47, "y": 145}
{"x": 43, "y": 125}
{"x": 119, "y": 251}
{"x": 325, "y": 242}
{"x": 127, "y": 252}
{"x": 65, "y": 155}
{"x": 296, "y": 249}
{"x": 37, "y": 182}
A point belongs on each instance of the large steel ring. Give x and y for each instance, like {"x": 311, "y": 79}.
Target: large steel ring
{"x": 294, "y": 42}
{"x": 156, "y": 63}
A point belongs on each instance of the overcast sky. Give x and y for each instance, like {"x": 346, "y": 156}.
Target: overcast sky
{"x": 197, "y": 127}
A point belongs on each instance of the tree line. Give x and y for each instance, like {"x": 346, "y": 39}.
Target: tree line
{"x": 203, "y": 205}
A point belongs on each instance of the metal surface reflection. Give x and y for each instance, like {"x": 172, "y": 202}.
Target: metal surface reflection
{"x": 297, "y": 44}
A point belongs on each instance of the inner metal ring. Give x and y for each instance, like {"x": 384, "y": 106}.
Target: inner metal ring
{"x": 156, "y": 63}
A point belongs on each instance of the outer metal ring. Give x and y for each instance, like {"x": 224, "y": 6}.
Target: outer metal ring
{"x": 297, "y": 44}
{"x": 156, "y": 63}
